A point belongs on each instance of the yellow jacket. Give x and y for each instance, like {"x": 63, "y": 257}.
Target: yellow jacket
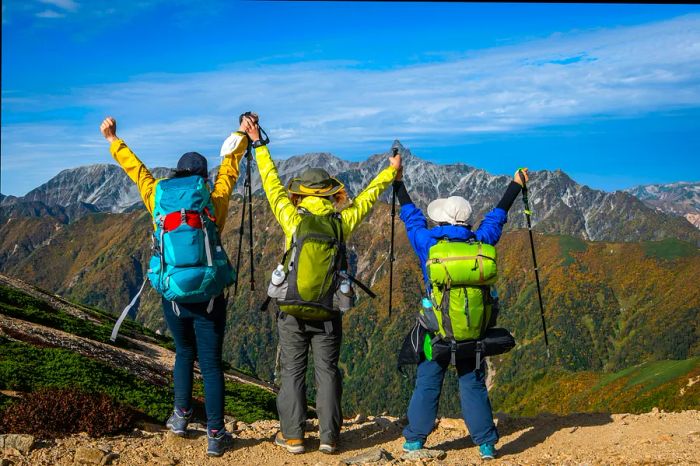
{"x": 225, "y": 180}
{"x": 288, "y": 216}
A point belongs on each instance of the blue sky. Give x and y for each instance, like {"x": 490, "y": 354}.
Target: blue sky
{"x": 608, "y": 93}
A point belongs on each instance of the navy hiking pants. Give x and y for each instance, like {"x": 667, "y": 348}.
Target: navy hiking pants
{"x": 476, "y": 407}
{"x": 199, "y": 334}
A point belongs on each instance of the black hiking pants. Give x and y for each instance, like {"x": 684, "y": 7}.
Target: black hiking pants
{"x": 324, "y": 338}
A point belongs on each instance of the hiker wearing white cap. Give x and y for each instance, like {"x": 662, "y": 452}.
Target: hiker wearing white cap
{"x": 453, "y": 312}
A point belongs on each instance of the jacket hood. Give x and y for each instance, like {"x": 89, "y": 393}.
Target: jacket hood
{"x": 452, "y": 232}
{"x": 317, "y": 205}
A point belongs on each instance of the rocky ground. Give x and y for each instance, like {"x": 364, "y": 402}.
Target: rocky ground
{"x": 652, "y": 438}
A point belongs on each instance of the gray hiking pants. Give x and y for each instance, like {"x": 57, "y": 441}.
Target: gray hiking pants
{"x": 295, "y": 336}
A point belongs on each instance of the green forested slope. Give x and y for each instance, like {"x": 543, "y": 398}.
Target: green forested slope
{"x": 609, "y": 306}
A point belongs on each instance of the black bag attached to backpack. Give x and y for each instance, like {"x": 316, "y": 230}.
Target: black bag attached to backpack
{"x": 495, "y": 341}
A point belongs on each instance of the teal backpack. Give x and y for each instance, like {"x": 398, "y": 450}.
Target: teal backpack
{"x": 188, "y": 263}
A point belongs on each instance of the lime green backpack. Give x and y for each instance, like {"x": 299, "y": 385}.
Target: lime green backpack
{"x": 312, "y": 266}
{"x": 460, "y": 275}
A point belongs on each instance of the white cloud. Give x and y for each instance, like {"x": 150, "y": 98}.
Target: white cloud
{"x": 311, "y": 106}
{"x": 67, "y": 5}
{"x": 50, "y": 14}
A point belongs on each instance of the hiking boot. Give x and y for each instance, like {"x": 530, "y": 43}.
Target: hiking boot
{"x": 293, "y": 445}
{"x": 177, "y": 423}
{"x": 328, "y": 448}
{"x": 487, "y": 451}
{"x": 413, "y": 445}
{"x": 218, "y": 441}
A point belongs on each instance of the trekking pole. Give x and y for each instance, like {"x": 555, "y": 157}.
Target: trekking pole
{"x": 240, "y": 235}
{"x": 528, "y": 214}
{"x": 248, "y": 199}
{"x": 248, "y": 186}
{"x": 395, "y": 151}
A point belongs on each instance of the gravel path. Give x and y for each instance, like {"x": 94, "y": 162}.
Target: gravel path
{"x": 652, "y": 438}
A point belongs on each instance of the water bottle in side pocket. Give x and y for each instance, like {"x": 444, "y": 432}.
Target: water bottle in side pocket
{"x": 345, "y": 295}
{"x": 277, "y": 288}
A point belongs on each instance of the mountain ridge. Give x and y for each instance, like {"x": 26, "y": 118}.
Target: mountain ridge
{"x": 680, "y": 198}
{"x": 561, "y": 205}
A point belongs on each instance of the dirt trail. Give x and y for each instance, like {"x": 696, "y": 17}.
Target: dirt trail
{"x": 653, "y": 438}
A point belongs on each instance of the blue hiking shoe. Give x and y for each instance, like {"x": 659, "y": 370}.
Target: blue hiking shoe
{"x": 178, "y": 422}
{"x": 218, "y": 442}
{"x": 487, "y": 451}
{"x": 413, "y": 445}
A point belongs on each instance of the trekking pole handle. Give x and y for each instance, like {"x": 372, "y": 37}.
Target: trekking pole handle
{"x": 522, "y": 177}
{"x": 527, "y": 210}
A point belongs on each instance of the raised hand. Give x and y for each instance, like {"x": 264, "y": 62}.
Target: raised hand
{"x": 109, "y": 129}
{"x": 395, "y": 161}
{"x": 521, "y": 177}
{"x": 249, "y": 125}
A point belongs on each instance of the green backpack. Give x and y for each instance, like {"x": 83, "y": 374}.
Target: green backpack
{"x": 460, "y": 275}
{"x": 313, "y": 266}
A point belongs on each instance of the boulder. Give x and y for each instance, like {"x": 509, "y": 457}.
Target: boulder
{"x": 88, "y": 455}
{"x": 151, "y": 427}
{"x": 20, "y": 442}
{"x": 108, "y": 458}
{"x": 372, "y": 456}
{"x": 424, "y": 454}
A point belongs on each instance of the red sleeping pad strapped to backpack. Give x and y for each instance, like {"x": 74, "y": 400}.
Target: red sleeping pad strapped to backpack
{"x": 174, "y": 219}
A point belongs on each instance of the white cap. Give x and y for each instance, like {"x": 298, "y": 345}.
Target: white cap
{"x": 454, "y": 210}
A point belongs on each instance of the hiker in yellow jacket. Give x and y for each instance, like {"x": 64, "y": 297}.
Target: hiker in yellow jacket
{"x": 315, "y": 242}
{"x": 197, "y": 327}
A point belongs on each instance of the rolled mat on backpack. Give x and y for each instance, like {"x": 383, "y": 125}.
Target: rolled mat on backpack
{"x": 417, "y": 347}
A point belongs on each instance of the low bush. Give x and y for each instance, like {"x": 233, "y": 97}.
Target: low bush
{"x": 57, "y": 412}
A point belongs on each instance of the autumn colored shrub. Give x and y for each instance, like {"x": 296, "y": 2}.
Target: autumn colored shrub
{"x": 57, "y": 412}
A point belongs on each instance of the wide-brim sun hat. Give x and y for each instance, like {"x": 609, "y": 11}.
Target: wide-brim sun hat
{"x": 454, "y": 210}
{"x": 315, "y": 182}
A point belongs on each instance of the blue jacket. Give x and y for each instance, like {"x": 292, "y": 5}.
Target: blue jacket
{"x": 423, "y": 238}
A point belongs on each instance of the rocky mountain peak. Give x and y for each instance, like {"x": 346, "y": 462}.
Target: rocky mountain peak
{"x": 561, "y": 205}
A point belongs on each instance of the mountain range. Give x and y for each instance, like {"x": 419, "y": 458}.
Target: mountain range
{"x": 627, "y": 298}
{"x": 560, "y": 205}
{"x": 682, "y": 198}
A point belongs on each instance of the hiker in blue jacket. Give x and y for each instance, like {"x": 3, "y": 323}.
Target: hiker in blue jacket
{"x": 451, "y": 216}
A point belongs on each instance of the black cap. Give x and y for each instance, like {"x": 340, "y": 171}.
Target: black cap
{"x": 193, "y": 163}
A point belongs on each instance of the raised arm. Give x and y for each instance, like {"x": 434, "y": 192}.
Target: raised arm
{"x": 282, "y": 207}
{"x": 134, "y": 168}
{"x": 363, "y": 202}
{"x": 232, "y": 151}
{"x": 413, "y": 218}
{"x": 491, "y": 226}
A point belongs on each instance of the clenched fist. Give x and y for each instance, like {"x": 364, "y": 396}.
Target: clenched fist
{"x": 109, "y": 129}
{"x": 521, "y": 177}
{"x": 395, "y": 161}
{"x": 249, "y": 125}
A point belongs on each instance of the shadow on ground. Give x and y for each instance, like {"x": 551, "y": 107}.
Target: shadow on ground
{"x": 535, "y": 431}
